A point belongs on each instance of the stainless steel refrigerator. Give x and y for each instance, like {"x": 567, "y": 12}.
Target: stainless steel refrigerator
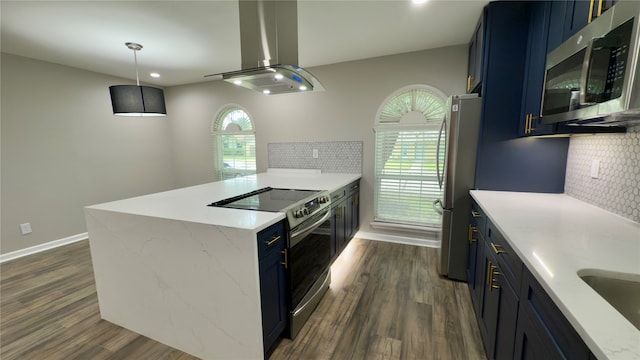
{"x": 458, "y": 139}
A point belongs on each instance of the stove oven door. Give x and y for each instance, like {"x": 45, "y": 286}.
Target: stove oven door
{"x": 309, "y": 261}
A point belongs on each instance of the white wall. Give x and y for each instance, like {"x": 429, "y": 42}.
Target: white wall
{"x": 63, "y": 149}
{"x": 344, "y": 112}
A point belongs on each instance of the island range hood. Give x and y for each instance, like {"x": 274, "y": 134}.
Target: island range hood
{"x": 269, "y": 49}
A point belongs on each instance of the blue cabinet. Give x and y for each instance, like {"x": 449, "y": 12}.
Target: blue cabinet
{"x": 543, "y": 332}
{"x": 475, "y": 256}
{"x": 273, "y": 282}
{"x": 476, "y": 51}
{"x": 530, "y": 124}
{"x": 506, "y": 161}
{"x": 345, "y": 221}
{"x": 498, "y": 311}
{"x": 576, "y": 16}
{"x": 569, "y": 16}
{"x": 516, "y": 317}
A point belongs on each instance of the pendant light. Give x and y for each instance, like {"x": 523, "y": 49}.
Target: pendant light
{"x": 136, "y": 100}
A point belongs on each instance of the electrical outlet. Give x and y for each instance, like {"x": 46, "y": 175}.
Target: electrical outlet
{"x": 595, "y": 168}
{"x": 25, "y": 228}
{"x": 315, "y": 153}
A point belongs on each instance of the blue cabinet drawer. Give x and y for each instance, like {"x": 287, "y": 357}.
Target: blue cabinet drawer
{"x": 506, "y": 257}
{"x": 271, "y": 238}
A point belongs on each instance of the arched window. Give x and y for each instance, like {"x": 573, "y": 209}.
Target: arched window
{"x": 406, "y": 156}
{"x": 234, "y": 143}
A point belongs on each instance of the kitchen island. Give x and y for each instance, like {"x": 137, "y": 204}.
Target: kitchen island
{"x": 559, "y": 238}
{"x": 171, "y": 268}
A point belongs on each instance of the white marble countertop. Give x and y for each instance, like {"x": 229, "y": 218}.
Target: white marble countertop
{"x": 556, "y": 236}
{"x": 190, "y": 203}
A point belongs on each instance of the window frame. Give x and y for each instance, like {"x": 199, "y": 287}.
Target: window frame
{"x": 218, "y": 133}
{"x": 425, "y": 130}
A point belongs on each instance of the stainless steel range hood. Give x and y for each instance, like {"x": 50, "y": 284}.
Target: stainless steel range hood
{"x": 269, "y": 49}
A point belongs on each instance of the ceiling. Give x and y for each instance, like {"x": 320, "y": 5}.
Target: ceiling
{"x": 185, "y": 40}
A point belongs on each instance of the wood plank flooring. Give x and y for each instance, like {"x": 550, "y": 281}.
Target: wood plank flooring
{"x": 386, "y": 301}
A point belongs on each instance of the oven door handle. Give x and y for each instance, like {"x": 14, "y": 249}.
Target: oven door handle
{"x": 304, "y": 232}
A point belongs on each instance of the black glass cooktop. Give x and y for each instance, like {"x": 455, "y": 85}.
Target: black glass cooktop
{"x": 266, "y": 199}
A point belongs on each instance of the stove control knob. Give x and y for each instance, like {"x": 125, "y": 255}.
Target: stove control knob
{"x": 322, "y": 199}
{"x": 305, "y": 212}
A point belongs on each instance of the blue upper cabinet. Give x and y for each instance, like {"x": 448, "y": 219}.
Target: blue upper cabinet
{"x": 539, "y": 19}
{"x": 474, "y": 68}
{"x": 506, "y": 161}
{"x": 569, "y": 16}
{"x": 577, "y": 15}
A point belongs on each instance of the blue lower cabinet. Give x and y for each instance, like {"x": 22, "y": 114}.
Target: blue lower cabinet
{"x": 543, "y": 332}
{"x": 499, "y": 309}
{"x": 516, "y": 317}
{"x": 273, "y": 284}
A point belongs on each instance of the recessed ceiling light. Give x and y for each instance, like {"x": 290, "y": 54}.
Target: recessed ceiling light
{"x": 279, "y": 76}
{"x": 154, "y": 75}
{"x": 237, "y": 82}
{"x": 266, "y": 92}
{"x": 417, "y": 2}
{"x": 303, "y": 88}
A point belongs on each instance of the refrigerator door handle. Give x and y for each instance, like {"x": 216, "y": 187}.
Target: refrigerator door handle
{"x": 437, "y": 206}
{"x": 440, "y": 176}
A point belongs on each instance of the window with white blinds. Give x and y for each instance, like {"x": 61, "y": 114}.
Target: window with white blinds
{"x": 234, "y": 143}
{"x": 406, "y": 156}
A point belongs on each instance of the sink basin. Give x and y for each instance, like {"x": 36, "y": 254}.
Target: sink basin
{"x": 622, "y": 291}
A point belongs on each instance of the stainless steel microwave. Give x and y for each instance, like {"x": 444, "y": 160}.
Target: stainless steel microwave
{"x": 593, "y": 78}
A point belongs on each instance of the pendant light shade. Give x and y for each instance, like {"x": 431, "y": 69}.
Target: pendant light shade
{"x": 133, "y": 100}
{"x": 136, "y": 100}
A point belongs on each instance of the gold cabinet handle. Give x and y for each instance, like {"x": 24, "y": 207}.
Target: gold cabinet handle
{"x": 496, "y": 248}
{"x": 475, "y": 214}
{"x": 531, "y": 118}
{"x": 273, "y": 240}
{"x": 469, "y": 83}
{"x": 591, "y": 10}
{"x": 528, "y": 123}
{"x": 493, "y": 286}
{"x": 286, "y": 261}
{"x": 472, "y": 229}
{"x": 489, "y": 274}
{"x": 600, "y": 7}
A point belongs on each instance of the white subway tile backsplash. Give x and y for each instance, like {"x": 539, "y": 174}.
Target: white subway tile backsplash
{"x": 617, "y": 186}
{"x": 332, "y": 156}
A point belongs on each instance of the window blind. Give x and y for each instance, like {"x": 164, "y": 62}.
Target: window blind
{"x": 238, "y": 155}
{"x": 234, "y": 144}
{"x": 406, "y": 175}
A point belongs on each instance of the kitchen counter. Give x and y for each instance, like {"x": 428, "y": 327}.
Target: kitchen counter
{"x": 556, "y": 236}
{"x": 171, "y": 268}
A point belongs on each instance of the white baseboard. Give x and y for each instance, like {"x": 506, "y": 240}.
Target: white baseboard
{"x": 42, "y": 247}
{"x": 398, "y": 239}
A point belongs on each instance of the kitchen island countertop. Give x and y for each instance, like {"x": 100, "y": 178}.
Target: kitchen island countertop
{"x": 190, "y": 203}
{"x": 556, "y": 236}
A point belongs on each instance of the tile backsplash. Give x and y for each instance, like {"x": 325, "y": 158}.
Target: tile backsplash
{"x": 332, "y": 156}
{"x": 617, "y": 188}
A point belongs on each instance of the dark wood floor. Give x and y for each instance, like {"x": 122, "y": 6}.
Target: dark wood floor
{"x": 386, "y": 302}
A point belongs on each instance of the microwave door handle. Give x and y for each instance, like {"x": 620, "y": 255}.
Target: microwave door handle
{"x": 584, "y": 74}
